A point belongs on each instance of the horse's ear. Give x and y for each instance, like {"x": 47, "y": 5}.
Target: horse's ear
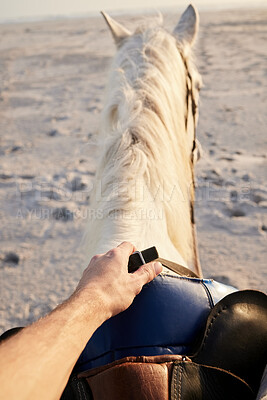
{"x": 118, "y": 31}
{"x": 187, "y": 28}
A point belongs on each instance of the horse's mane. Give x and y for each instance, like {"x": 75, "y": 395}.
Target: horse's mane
{"x": 143, "y": 137}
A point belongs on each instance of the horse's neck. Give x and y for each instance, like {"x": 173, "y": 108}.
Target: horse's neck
{"x": 144, "y": 138}
{"x": 146, "y": 211}
{"x": 142, "y": 222}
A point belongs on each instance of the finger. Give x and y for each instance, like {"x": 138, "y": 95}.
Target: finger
{"x": 134, "y": 249}
{"x": 127, "y": 247}
{"x": 148, "y": 272}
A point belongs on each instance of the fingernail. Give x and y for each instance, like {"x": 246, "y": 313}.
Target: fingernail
{"x": 158, "y": 267}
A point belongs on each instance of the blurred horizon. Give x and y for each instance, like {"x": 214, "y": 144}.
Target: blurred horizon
{"x": 21, "y": 10}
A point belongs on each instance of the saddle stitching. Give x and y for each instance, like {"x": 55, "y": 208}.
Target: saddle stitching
{"x": 180, "y": 381}
{"x": 85, "y": 397}
{"x": 79, "y": 391}
{"x": 208, "y": 294}
{"x": 175, "y": 382}
{"x": 211, "y": 323}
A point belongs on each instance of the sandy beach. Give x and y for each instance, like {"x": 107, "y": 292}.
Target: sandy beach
{"x": 53, "y": 76}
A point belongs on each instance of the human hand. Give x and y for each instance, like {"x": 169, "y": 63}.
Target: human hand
{"x": 107, "y": 276}
{"x": 105, "y": 289}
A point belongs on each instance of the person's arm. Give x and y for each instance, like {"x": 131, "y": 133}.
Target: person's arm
{"x": 36, "y": 363}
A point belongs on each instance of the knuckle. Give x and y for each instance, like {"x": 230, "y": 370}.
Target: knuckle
{"x": 148, "y": 272}
{"x": 125, "y": 244}
{"x": 95, "y": 257}
{"x": 138, "y": 290}
{"x": 113, "y": 252}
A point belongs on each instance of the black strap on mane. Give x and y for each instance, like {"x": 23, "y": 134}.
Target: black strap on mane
{"x": 139, "y": 258}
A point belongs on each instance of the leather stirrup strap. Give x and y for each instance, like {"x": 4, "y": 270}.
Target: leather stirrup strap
{"x": 179, "y": 269}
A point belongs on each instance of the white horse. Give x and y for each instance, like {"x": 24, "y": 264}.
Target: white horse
{"x": 144, "y": 189}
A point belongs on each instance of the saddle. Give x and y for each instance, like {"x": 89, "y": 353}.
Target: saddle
{"x": 167, "y": 317}
{"x": 182, "y": 338}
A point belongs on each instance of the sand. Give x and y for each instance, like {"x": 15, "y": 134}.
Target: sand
{"x": 53, "y": 76}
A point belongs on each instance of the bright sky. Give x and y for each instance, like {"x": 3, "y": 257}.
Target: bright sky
{"x": 38, "y": 8}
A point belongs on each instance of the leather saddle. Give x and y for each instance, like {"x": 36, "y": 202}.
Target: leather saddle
{"x": 182, "y": 338}
{"x": 227, "y": 362}
{"x": 167, "y": 317}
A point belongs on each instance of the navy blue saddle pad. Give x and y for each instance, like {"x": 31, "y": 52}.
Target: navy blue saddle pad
{"x": 165, "y": 318}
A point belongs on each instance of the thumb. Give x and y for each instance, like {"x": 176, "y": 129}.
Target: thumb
{"x": 157, "y": 267}
{"x": 148, "y": 272}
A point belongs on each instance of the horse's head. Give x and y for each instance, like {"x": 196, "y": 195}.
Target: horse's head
{"x": 184, "y": 36}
